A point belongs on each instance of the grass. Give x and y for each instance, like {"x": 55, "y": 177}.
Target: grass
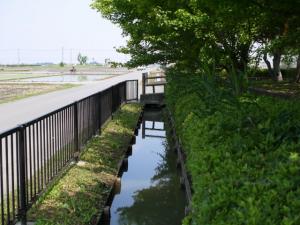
{"x": 12, "y": 92}
{"x": 284, "y": 87}
{"x": 288, "y": 86}
{"x": 79, "y": 196}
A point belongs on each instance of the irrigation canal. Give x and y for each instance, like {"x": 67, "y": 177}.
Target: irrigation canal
{"x": 150, "y": 189}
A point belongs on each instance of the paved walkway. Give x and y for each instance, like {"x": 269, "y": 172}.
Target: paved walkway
{"x": 19, "y": 112}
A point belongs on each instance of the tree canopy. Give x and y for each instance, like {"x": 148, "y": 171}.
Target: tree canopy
{"x": 82, "y": 59}
{"x": 192, "y": 33}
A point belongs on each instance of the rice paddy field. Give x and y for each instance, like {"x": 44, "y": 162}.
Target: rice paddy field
{"x": 17, "y": 82}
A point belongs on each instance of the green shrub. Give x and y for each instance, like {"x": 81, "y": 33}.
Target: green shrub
{"x": 242, "y": 153}
{"x": 289, "y": 73}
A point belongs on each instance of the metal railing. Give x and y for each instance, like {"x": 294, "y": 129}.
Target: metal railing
{"x": 152, "y": 81}
{"x": 33, "y": 154}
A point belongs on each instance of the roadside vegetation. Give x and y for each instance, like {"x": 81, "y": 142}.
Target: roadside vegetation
{"x": 242, "y": 150}
{"x": 79, "y": 196}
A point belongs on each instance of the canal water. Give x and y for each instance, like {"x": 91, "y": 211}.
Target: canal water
{"x": 150, "y": 189}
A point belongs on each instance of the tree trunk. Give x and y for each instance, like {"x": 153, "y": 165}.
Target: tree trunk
{"x": 276, "y": 66}
{"x": 268, "y": 65}
{"x": 244, "y": 57}
{"x": 298, "y": 70}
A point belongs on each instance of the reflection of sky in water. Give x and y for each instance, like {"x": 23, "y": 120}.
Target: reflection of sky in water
{"x": 157, "y": 125}
{"x": 143, "y": 166}
{"x": 155, "y": 129}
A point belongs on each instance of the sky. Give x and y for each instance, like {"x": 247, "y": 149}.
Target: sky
{"x": 35, "y": 31}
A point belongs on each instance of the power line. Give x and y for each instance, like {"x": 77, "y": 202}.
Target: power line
{"x": 62, "y": 54}
{"x": 19, "y": 57}
{"x": 66, "y": 49}
{"x": 66, "y": 55}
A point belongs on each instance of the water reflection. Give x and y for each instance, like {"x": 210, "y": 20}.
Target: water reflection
{"x": 150, "y": 192}
{"x": 65, "y": 79}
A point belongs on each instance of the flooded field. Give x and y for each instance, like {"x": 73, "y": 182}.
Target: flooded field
{"x": 24, "y": 81}
{"x": 64, "y": 79}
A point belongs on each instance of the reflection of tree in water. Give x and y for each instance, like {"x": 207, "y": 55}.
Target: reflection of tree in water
{"x": 167, "y": 166}
{"x": 160, "y": 204}
{"x": 82, "y": 78}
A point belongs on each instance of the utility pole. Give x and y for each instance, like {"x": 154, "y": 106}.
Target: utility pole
{"x": 62, "y": 54}
{"x": 71, "y": 56}
{"x": 18, "y": 55}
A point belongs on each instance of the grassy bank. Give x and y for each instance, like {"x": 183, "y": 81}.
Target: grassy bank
{"x": 79, "y": 196}
{"x": 242, "y": 153}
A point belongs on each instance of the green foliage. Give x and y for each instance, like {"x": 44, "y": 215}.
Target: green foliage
{"x": 116, "y": 64}
{"x": 242, "y": 153}
{"x": 82, "y": 59}
{"x": 288, "y": 73}
{"x": 184, "y": 32}
{"x": 193, "y": 33}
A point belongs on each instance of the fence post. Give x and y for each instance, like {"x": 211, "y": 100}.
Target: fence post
{"x": 76, "y": 142}
{"x": 100, "y": 112}
{"x": 117, "y": 97}
{"x": 22, "y": 169}
{"x": 112, "y": 101}
{"x": 137, "y": 90}
{"x": 144, "y": 83}
{"x": 125, "y": 91}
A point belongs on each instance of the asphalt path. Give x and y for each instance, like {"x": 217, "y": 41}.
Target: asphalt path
{"x": 19, "y": 112}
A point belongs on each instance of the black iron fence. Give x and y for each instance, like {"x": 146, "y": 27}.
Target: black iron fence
{"x": 34, "y": 153}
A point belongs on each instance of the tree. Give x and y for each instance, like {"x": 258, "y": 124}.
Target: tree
{"x": 82, "y": 59}
{"x": 276, "y": 28}
{"x": 181, "y": 32}
{"x": 197, "y": 33}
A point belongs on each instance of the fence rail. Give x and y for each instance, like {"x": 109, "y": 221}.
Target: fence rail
{"x": 33, "y": 154}
{"x": 152, "y": 81}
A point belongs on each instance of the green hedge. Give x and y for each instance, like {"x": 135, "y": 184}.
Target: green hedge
{"x": 242, "y": 153}
{"x": 289, "y": 73}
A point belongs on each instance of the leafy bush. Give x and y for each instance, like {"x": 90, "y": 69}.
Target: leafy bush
{"x": 242, "y": 153}
{"x": 288, "y": 73}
